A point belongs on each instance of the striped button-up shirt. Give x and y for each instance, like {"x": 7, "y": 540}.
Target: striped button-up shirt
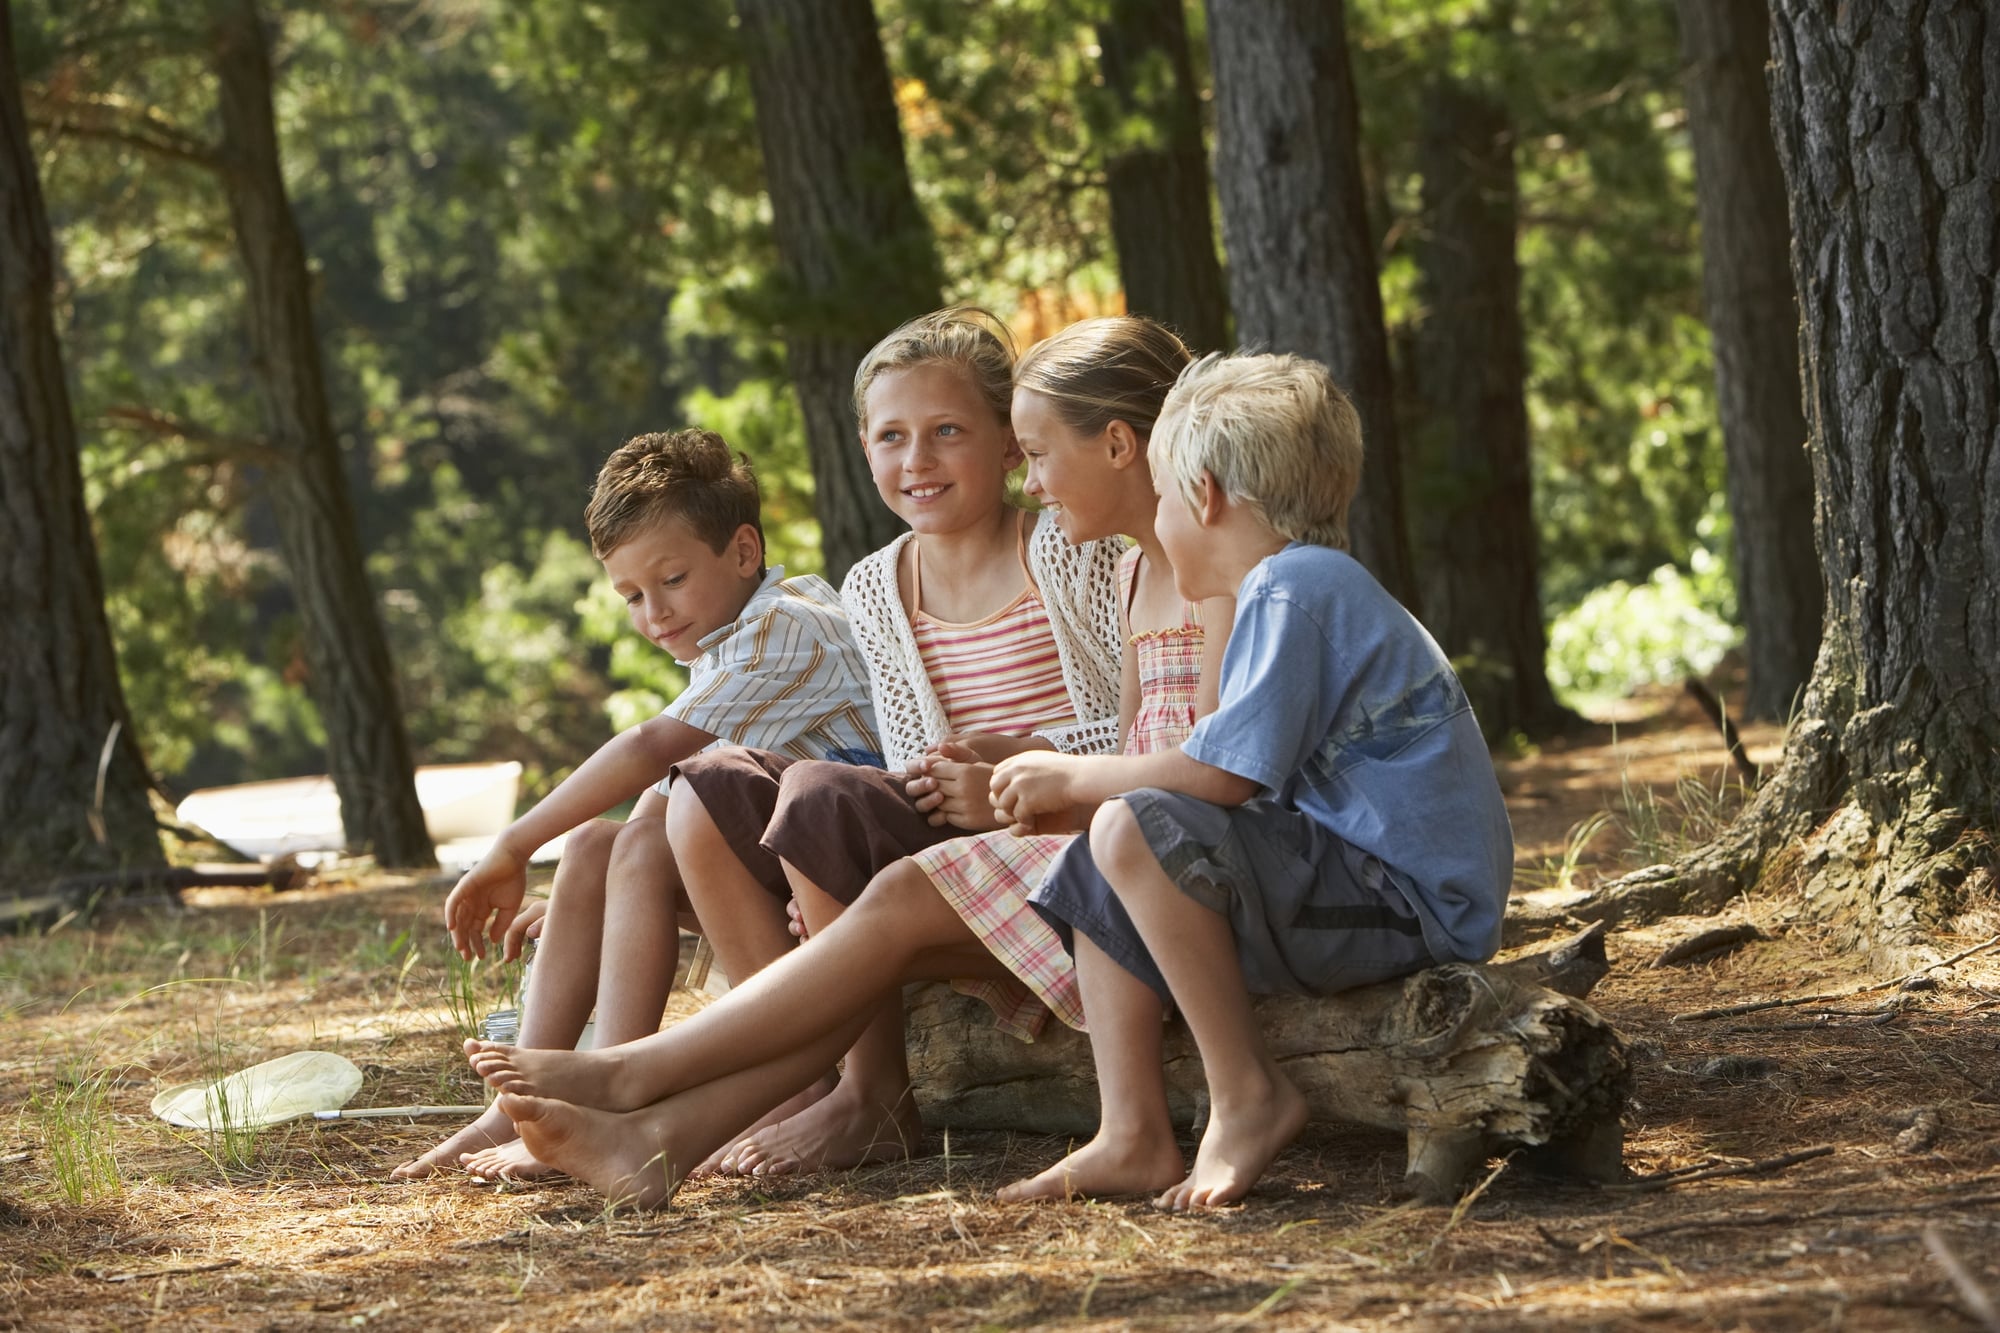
{"x": 785, "y": 676}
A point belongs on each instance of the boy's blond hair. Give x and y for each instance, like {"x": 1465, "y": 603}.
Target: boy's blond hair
{"x": 692, "y": 475}
{"x": 1097, "y": 371}
{"x": 966, "y": 336}
{"x": 1274, "y": 431}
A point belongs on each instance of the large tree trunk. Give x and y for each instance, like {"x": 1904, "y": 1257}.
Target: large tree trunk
{"x": 1472, "y": 517}
{"x": 350, "y": 677}
{"x": 59, "y": 694}
{"x": 1753, "y": 318}
{"x": 1158, "y": 173}
{"x": 1467, "y": 1061}
{"x": 857, "y": 252}
{"x": 1302, "y": 272}
{"x": 1882, "y": 813}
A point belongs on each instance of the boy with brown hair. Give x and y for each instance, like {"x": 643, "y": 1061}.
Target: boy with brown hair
{"x": 674, "y": 519}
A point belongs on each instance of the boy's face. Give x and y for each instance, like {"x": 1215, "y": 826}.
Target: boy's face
{"x": 677, "y": 591}
{"x": 1186, "y": 541}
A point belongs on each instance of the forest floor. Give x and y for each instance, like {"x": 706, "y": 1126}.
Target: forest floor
{"x": 110, "y": 1218}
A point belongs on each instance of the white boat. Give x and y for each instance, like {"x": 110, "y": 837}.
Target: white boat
{"x": 465, "y": 807}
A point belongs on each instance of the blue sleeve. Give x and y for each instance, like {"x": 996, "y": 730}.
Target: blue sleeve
{"x": 1276, "y": 701}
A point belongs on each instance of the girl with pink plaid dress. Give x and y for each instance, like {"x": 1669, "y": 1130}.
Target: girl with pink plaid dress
{"x": 987, "y": 878}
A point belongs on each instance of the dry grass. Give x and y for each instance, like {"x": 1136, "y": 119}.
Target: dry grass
{"x": 309, "y": 1235}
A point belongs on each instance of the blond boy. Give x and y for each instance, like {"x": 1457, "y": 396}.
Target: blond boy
{"x": 1336, "y": 821}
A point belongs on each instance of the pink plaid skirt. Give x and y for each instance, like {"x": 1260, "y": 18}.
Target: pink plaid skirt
{"x": 987, "y": 878}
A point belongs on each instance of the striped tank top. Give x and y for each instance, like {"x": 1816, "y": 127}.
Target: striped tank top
{"x": 1000, "y": 674}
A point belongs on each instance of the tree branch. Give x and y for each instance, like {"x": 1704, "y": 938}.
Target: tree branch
{"x": 239, "y": 448}
{"x": 119, "y": 120}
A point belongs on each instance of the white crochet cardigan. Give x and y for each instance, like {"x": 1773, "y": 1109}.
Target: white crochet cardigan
{"x": 1079, "y": 586}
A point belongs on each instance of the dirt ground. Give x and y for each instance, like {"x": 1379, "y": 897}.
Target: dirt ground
{"x": 1897, "y": 1088}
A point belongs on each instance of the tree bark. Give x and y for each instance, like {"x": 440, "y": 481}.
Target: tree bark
{"x": 1302, "y": 271}
{"x": 1753, "y": 319}
{"x": 60, "y": 699}
{"x": 351, "y": 679}
{"x": 1882, "y": 813}
{"x": 856, "y": 249}
{"x": 1471, "y": 499}
{"x": 1468, "y": 1061}
{"x": 1157, "y": 171}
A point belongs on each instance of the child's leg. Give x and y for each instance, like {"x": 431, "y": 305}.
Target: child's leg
{"x": 741, "y": 920}
{"x": 869, "y": 1116}
{"x": 1254, "y": 1111}
{"x": 562, "y": 985}
{"x": 642, "y": 931}
{"x": 847, "y": 971}
{"x": 1134, "y": 1151}
{"x": 638, "y": 927}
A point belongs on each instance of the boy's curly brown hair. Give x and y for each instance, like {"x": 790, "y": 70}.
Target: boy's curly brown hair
{"x": 690, "y": 474}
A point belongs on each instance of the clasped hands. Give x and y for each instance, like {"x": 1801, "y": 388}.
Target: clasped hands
{"x": 979, "y": 782}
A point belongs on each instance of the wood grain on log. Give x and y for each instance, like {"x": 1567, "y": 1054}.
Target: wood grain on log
{"x": 1469, "y": 1060}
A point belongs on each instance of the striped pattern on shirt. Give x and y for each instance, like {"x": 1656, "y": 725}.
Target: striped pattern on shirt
{"x": 1002, "y": 674}
{"x": 785, "y": 676}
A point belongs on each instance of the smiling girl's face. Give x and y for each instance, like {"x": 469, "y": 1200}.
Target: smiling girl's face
{"x": 938, "y": 452}
{"x": 1069, "y": 472}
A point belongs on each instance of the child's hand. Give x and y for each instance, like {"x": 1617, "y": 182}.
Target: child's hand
{"x": 920, "y": 786}
{"x": 1037, "y": 782}
{"x": 527, "y": 926}
{"x": 991, "y": 747}
{"x": 493, "y": 890}
{"x": 959, "y": 789}
{"x": 795, "y": 919}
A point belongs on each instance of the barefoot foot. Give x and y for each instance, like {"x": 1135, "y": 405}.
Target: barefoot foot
{"x": 1241, "y": 1140}
{"x": 845, "y": 1128}
{"x": 781, "y": 1113}
{"x": 584, "y": 1078}
{"x": 509, "y": 1161}
{"x": 620, "y": 1154}
{"x": 490, "y": 1130}
{"x": 1104, "y": 1167}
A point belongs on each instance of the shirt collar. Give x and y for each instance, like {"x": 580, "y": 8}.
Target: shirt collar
{"x": 765, "y": 591}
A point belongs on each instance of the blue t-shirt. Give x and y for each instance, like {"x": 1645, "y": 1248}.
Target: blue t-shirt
{"x": 1340, "y": 705}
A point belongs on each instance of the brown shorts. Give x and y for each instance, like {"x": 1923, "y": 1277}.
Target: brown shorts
{"x": 739, "y": 789}
{"x": 838, "y": 824}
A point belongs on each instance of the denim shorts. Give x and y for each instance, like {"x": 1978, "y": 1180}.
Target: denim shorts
{"x": 1311, "y": 914}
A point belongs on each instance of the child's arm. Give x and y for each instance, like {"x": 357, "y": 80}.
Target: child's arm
{"x": 483, "y": 904}
{"x": 1035, "y": 784}
{"x": 1128, "y": 676}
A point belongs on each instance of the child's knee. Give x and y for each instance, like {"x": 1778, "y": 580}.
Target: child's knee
{"x": 1117, "y": 843}
{"x": 688, "y": 823}
{"x": 901, "y": 885}
{"x": 893, "y": 900}
{"x": 641, "y": 845}
{"x": 593, "y": 838}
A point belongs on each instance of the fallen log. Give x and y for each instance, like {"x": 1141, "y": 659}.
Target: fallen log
{"x": 79, "y": 895}
{"x": 1470, "y": 1061}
